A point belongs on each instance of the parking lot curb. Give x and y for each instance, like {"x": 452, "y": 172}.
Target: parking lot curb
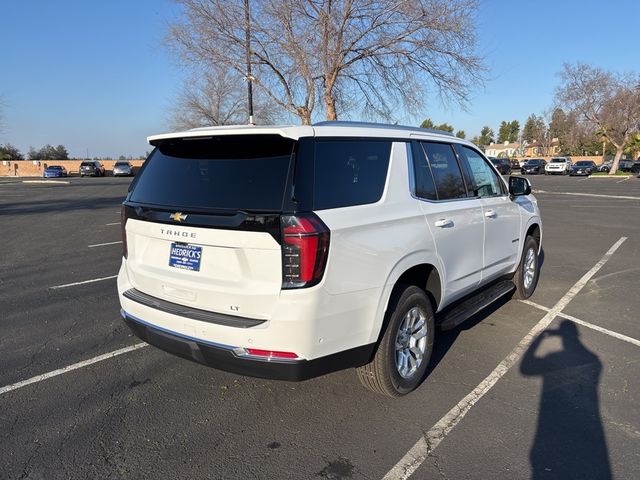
{"x": 619, "y": 177}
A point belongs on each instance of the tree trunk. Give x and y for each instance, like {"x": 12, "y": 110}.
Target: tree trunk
{"x": 304, "y": 114}
{"x": 616, "y": 160}
{"x": 330, "y": 104}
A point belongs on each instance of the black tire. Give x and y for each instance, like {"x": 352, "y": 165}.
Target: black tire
{"x": 382, "y": 374}
{"x": 524, "y": 288}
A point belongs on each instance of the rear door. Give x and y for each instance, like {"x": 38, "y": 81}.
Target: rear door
{"x": 501, "y": 215}
{"x": 453, "y": 217}
{"x": 204, "y": 223}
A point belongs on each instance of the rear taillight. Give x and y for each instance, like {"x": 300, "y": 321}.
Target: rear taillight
{"x": 123, "y": 230}
{"x": 305, "y": 247}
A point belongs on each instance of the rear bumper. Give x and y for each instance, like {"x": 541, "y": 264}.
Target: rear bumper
{"x": 224, "y": 357}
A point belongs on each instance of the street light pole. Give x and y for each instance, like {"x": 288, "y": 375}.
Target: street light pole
{"x": 247, "y": 31}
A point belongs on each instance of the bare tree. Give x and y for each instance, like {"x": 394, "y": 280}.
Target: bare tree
{"x": 338, "y": 55}
{"x": 215, "y": 98}
{"x": 605, "y": 102}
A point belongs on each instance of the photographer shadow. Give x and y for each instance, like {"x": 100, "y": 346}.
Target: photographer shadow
{"x": 570, "y": 440}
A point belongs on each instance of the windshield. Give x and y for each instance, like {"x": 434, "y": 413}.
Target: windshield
{"x": 55, "y": 167}
{"x": 532, "y": 162}
{"x": 227, "y": 172}
{"x": 583, "y": 164}
{"x": 558, "y": 160}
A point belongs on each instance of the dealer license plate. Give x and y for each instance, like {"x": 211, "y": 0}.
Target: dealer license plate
{"x": 185, "y": 256}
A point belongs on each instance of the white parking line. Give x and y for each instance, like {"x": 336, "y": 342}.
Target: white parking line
{"x": 597, "y": 328}
{"x": 103, "y": 244}
{"x": 623, "y": 180}
{"x": 603, "y": 206}
{"x": 621, "y": 197}
{"x": 114, "y": 223}
{"x": 431, "y": 439}
{"x": 53, "y": 182}
{"x": 69, "y": 368}
{"x": 83, "y": 282}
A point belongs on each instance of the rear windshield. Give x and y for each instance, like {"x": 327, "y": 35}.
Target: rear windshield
{"x": 122, "y": 164}
{"x": 227, "y": 172}
{"x": 87, "y": 164}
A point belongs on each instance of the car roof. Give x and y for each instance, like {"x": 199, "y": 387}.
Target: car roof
{"x": 321, "y": 129}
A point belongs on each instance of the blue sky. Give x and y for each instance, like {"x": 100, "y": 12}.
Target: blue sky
{"x": 94, "y": 75}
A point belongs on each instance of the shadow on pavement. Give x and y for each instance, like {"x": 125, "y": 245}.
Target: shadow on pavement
{"x": 570, "y": 441}
{"x": 59, "y": 205}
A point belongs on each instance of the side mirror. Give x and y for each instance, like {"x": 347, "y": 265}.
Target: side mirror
{"x": 519, "y": 186}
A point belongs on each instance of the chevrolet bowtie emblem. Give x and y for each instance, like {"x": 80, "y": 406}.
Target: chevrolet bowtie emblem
{"x": 178, "y": 216}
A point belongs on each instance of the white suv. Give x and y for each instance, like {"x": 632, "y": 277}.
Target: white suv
{"x": 560, "y": 165}
{"x": 289, "y": 252}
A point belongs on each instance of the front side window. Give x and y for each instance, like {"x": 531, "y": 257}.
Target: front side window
{"x": 484, "y": 181}
{"x": 446, "y": 171}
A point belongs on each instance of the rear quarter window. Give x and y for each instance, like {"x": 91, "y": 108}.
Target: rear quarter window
{"x": 349, "y": 172}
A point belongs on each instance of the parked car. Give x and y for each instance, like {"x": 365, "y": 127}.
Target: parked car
{"x": 55, "y": 171}
{"x": 224, "y": 265}
{"x": 604, "y": 167}
{"x": 515, "y": 164}
{"x": 584, "y": 167}
{"x": 92, "y": 167}
{"x": 625, "y": 165}
{"x": 502, "y": 164}
{"x": 635, "y": 168}
{"x": 534, "y": 166}
{"x": 122, "y": 168}
{"x": 558, "y": 165}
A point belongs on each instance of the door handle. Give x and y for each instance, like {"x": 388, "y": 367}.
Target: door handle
{"x": 443, "y": 222}
{"x": 490, "y": 214}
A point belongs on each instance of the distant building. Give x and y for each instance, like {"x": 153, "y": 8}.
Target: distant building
{"x": 538, "y": 149}
{"x": 505, "y": 149}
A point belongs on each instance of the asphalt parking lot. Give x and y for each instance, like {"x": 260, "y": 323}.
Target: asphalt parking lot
{"x": 544, "y": 389}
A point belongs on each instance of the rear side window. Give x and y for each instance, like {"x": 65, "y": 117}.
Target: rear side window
{"x": 446, "y": 171}
{"x": 424, "y": 185}
{"x": 235, "y": 172}
{"x": 349, "y": 172}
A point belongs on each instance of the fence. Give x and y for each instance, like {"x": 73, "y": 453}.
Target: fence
{"x": 27, "y": 168}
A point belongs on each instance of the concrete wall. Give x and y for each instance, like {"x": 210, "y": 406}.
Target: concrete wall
{"x": 26, "y": 168}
